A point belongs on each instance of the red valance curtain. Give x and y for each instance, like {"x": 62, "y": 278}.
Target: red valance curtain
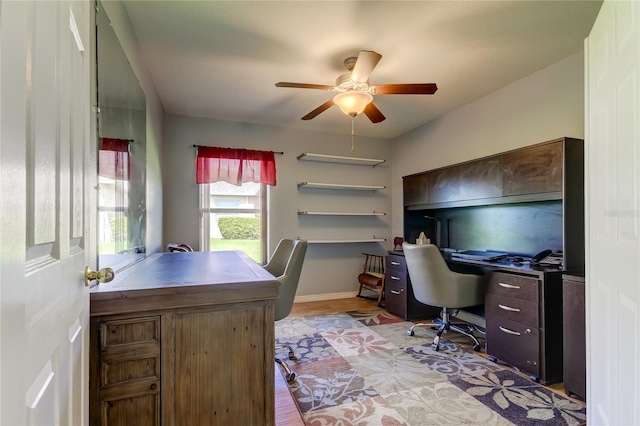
{"x": 235, "y": 166}
{"x": 113, "y": 159}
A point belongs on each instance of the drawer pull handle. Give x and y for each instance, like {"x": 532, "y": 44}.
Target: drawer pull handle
{"x": 509, "y": 308}
{"x": 395, "y": 278}
{"x": 396, "y": 292}
{"x": 395, "y": 263}
{"x": 506, "y": 330}
{"x": 509, "y": 285}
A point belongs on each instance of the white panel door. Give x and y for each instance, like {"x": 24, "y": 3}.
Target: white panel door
{"x": 613, "y": 215}
{"x": 47, "y": 159}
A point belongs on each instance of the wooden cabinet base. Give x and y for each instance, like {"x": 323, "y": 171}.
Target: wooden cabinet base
{"x": 189, "y": 354}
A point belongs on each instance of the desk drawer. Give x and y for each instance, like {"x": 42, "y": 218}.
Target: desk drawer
{"x": 124, "y": 333}
{"x": 395, "y": 293}
{"x": 511, "y": 285}
{"x": 513, "y": 309}
{"x": 396, "y": 263}
{"x": 514, "y": 343}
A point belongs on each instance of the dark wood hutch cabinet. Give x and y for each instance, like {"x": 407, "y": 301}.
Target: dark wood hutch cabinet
{"x": 546, "y": 177}
{"x": 549, "y": 171}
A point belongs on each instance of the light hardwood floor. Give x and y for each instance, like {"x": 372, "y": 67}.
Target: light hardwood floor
{"x": 286, "y": 411}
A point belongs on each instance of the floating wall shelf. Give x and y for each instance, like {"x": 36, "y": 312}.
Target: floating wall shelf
{"x": 321, "y": 185}
{"x": 307, "y": 156}
{"x": 301, "y": 213}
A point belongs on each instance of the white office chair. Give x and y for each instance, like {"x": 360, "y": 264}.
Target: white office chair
{"x": 286, "y": 265}
{"x": 436, "y": 285}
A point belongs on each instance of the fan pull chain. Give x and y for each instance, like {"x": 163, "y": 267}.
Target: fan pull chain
{"x": 353, "y": 133}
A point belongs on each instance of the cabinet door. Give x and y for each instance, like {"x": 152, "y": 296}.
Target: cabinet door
{"x": 444, "y": 185}
{"x": 481, "y": 179}
{"x": 127, "y": 380}
{"x": 223, "y": 359}
{"x": 532, "y": 170}
{"x": 415, "y": 189}
{"x": 575, "y": 370}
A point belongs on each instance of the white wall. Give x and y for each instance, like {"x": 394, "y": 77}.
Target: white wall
{"x": 329, "y": 268}
{"x": 545, "y": 105}
{"x": 155, "y": 116}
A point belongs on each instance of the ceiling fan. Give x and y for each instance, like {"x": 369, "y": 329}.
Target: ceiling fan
{"x": 355, "y": 95}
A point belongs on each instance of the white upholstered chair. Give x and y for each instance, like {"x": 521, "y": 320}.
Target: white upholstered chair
{"x": 436, "y": 285}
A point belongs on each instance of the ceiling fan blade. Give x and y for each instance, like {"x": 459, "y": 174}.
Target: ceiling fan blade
{"x": 406, "y": 89}
{"x": 325, "y": 106}
{"x": 373, "y": 113}
{"x": 366, "y": 62}
{"x": 304, "y": 85}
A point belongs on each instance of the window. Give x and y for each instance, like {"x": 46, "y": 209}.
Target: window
{"x": 234, "y": 217}
{"x": 112, "y": 215}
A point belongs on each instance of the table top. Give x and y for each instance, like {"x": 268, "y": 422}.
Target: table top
{"x": 185, "y": 279}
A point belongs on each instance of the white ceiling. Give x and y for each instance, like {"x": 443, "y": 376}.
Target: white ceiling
{"x": 221, "y": 59}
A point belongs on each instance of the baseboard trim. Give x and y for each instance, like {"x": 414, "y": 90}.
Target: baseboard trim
{"x": 327, "y": 296}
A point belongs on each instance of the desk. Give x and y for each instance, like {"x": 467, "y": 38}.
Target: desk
{"x": 184, "y": 339}
{"x": 523, "y": 313}
{"x": 523, "y": 306}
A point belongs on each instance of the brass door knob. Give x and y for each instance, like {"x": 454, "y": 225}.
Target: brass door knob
{"x": 104, "y": 275}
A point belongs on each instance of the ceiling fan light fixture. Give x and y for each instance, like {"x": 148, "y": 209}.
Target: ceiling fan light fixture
{"x": 352, "y": 102}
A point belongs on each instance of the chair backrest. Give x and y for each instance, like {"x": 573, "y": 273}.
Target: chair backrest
{"x": 287, "y": 268}
{"x": 280, "y": 257}
{"x": 373, "y": 264}
{"x": 435, "y": 284}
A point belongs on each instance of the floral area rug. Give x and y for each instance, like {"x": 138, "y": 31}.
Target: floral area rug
{"x": 361, "y": 368}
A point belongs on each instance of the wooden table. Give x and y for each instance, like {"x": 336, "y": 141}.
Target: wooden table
{"x": 184, "y": 339}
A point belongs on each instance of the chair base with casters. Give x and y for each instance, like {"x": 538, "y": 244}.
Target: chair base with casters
{"x": 444, "y": 324}
{"x": 291, "y": 376}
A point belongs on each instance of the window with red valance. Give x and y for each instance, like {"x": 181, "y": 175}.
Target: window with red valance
{"x": 235, "y": 166}
{"x": 113, "y": 159}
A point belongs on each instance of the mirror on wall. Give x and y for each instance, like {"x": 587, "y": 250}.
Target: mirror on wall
{"x": 121, "y": 152}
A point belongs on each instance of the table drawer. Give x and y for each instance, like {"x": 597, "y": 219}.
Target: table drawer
{"x": 513, "y": 309}
{"x": 514, "y": 343}
{"x": 396, "y": 278}
{"x": 511, "y": 285}
{"x": 396, "y": 263}
{"x": 395, "y": 296}
{"x": 122, "y": 333}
